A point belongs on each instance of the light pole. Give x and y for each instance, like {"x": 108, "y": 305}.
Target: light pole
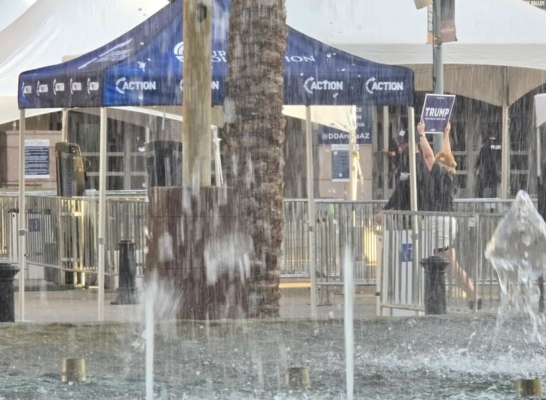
{"x": 437, "y": 61}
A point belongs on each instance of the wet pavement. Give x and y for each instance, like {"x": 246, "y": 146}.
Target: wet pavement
{"x": 82, "y": 305}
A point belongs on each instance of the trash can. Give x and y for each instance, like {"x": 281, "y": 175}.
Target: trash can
{"x": 7, "y": 305}
{"x": 70, "y": 170}
{"x": 164, "y": 163}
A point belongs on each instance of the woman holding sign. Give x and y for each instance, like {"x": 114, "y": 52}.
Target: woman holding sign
{"x": 444, "y": 186}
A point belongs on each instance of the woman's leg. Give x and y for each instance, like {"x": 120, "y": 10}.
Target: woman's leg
{"x": 463, "y": 281}
{"x": 448, "y": 229}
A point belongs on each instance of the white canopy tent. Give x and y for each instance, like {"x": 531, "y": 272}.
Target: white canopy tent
{"x": 12, "y": 9}
{"x": 52, "y": 29}
{"x": 540, "y": 119}
{"x": 500, "y": 54}
{"x": 540, "y": 109}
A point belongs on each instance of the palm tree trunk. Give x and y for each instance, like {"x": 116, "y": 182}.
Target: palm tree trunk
{"x": 254, "y": 135}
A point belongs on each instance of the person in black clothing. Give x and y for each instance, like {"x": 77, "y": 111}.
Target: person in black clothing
{"x": 398, "y": 155}
{"x": 393, "y": 152}
{"x": 488, "y": 166}
{"x": 442, "y": 169}
{"x": 400, "y": 198}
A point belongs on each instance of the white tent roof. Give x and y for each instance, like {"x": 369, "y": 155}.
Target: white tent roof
{"x": 491, "y": 33}
{"x": 52, "y": 29}
{"x": 540, "y": 109}
{"x": 12, "y": 9}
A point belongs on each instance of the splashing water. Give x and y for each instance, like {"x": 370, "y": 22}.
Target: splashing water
{"x": 516, "y": 251}
{"x": 150, "y": 334}
{"x": 160, "y": 305}
{"x": 349, "y": 323}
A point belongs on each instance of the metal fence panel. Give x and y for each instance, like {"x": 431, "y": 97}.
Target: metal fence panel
{"x": 469, "y": 276}
{"x": 63, "y": 234}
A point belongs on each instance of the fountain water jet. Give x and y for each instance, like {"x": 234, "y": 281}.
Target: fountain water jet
{"x": 349, "y": 323}
{"x": 149, "y": 316}
{"x": 516, "y": 251}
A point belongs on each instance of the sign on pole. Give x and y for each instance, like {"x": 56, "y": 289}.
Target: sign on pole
{"x": 37, "y": 159}
{"x": 437, "y": 112}
{"x": 448, "y": 28}
{"x": 341, "y": 162}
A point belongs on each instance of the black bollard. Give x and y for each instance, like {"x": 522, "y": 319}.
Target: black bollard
{"x": 7, "y": 306}
{"x": 127, "y": 291}
{"x": 435, "y": 285}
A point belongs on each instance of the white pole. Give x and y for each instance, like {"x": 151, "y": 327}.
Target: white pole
{"x": 539, "y": 163}
{"x": 385, "y": 148}
{"x": 353, "y": 171}
{"x": 354, "y": 157}
{"x": 64, "y": 126}
{"x": 311, "y": 209}
{"x": 22, "y": 217}
{"x": 538, "y": 144}
{"x": 505, "y": 144}
{"x": 219, "y": 179}
{"x": 102, "y": 208}
{"x": 413, "y": 203}
{"x": 348, "y": 270}
{"x": 505, "y": 153}
{"x": 412, "y": 159}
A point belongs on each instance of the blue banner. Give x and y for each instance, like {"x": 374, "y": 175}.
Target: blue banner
{"x": 144, "y": 67}
{"x": 364, "y": 129}
{"x": 437, "y": 112}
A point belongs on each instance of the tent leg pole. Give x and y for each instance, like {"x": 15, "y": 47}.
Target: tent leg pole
{"x": 505, "y": 155}
{"x": 102, "y": 208}
{"x": 414, "y": 205}
{"x": 539, "y": 162}
{"x": 505, "y": 144}
{"x": 22, "y": 217}
{"x": 385, "y": 148}
{"x": 64, "y": 128}
{"x": 412, "y": 158}
{"x": 354, "y": 158}
{"x": 311, "y": 210}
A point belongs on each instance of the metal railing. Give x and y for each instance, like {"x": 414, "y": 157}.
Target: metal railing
{"x": 333, "y": 219}
{"x": 469, "y": 276}
{"x": 337, "y": 222}
{"x": 62, "y": 233}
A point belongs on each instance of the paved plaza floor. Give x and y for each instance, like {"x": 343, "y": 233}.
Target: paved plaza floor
{"x": 82, "y": 305}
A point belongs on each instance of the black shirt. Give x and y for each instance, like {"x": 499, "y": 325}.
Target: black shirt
{"x": 489, "y": 161}
{"x": 444, "y": 187}
{"x": 400, "y": 199}
{"x": 394, "y": 161}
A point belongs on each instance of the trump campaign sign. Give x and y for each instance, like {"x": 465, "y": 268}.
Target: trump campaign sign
{"x": 437, "y": 112}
